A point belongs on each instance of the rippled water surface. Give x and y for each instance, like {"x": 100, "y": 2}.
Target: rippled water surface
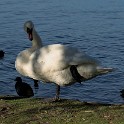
{"x": 94, "y": 26}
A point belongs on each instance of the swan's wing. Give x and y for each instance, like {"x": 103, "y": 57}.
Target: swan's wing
{"x": 58, "y": 57}
{"x": 75, "y": 57}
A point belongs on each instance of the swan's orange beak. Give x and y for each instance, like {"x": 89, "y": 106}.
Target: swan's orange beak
{"x": 30, "y": 35}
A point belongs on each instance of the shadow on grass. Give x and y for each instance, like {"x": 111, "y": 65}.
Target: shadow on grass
{"x": 11, "y": 97}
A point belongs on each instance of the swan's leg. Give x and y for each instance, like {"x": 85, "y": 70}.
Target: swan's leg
{"x": 57, "y": 92}
{"x": 35, "y": 83}
{"x": 75, "y": 74}
{"x": 56, "y": 98}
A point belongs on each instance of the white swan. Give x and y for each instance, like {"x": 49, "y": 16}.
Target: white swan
{"x": 56, "y": 63}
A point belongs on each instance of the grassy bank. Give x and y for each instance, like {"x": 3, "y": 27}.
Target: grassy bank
{"x": 14, "y": 110}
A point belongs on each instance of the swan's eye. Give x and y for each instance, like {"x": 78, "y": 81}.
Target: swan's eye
{"x": 29, "y": 30}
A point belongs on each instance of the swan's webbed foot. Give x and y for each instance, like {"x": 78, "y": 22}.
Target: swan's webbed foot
{"x": 49, "y": 100}
{"x": 75, "y": 74}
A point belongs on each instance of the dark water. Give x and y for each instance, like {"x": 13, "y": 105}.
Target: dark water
{"x": 94, "y": 26}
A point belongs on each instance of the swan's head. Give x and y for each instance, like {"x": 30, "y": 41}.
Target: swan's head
{"x": 28, "y": 27}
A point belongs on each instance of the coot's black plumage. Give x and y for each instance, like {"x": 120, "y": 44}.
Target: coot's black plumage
{"x": 23, "y": 89}
{"x": 1, "y": 53}
{"x": 122, "y": 93}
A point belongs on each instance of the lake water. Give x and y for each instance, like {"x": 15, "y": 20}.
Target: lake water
{"x": 94, "y": 26}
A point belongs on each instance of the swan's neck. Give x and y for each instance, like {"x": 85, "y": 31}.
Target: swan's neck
{"x": 36, "y": 42}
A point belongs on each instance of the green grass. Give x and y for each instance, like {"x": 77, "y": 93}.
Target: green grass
{"x": 36, "y": 111}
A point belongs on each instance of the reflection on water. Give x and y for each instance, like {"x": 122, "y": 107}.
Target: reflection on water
{"x": 95, "y": 27}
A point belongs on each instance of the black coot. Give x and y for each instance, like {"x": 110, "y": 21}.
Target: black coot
{"x": 1, "y": 53}
{"x": 23, "y": 89}
{"x": 122, "y": 93}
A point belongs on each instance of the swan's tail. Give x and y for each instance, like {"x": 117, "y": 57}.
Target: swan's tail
{"x": 104, "y": 70}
